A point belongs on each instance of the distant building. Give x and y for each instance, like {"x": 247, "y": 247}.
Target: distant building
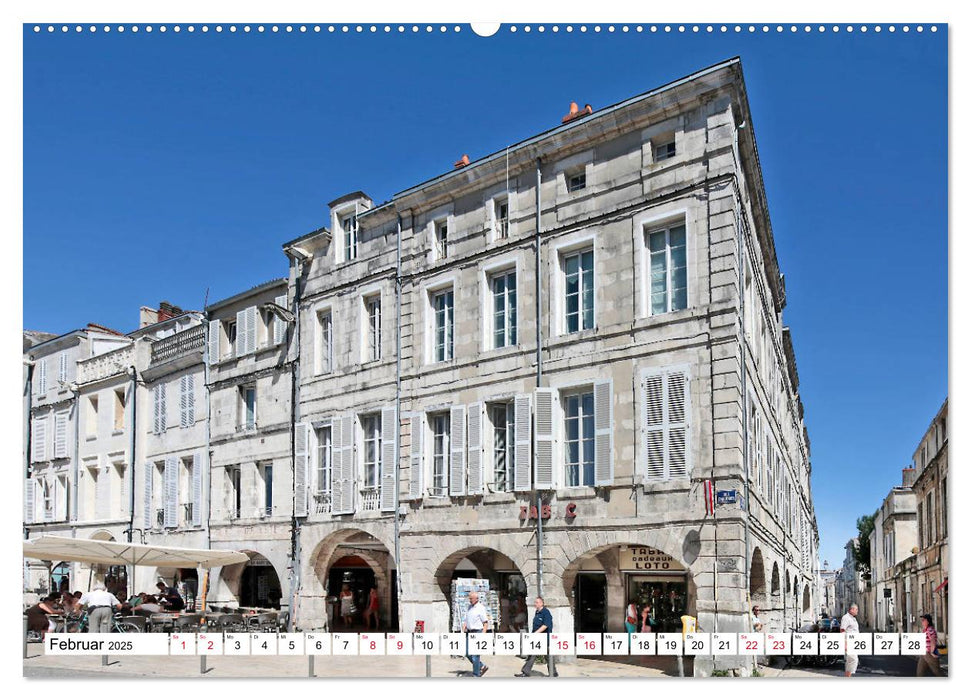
{"x": 894, "y": 536}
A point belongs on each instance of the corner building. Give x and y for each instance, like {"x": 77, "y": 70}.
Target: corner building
{"x": 588, "y": 323}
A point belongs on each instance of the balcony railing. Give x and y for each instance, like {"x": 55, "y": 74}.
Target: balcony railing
{"x": 322, "y": 503}
{"x": 370, "y": 498}
{"x": 106, "y": 365}
{"x": 182, "y": 343}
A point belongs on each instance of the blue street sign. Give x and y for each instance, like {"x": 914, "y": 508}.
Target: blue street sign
{"x": 723, "y": 497}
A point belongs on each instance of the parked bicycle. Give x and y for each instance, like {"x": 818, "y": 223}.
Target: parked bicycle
{"x": 79, "y": 623}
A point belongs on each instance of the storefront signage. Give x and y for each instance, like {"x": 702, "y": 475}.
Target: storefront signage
{"x": 530, "y": 512}
{"x": 647, "y": 559}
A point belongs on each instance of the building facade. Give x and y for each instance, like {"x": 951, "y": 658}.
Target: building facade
{"x": 894, "y": 536}
{"x": 529, "y": 369}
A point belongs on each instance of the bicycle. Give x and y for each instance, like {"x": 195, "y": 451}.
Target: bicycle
{"x": 80, "y": 624}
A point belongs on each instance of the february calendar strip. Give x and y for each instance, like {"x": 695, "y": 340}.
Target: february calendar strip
{"x": 501, "y": 644}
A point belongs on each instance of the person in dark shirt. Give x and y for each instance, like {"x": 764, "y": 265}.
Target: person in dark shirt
{"x": 542, "y": 622}
{"x": 169, "y": 598}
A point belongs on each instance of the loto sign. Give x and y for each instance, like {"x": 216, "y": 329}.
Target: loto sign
{"x": 647, "y": 559}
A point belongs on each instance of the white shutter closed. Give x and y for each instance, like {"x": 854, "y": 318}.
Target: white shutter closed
{"x": 279, "y": 327}
{"x": 653, "y": 403}
{"x": 603, "y": 441}
{"x": 62, "y": 368}
{"x": 42, "y": 377}
{"x": 475, "y": 447}
{"x": 348, "y": 464}
{"x": 157, "y": 409}
{"x": 171, "y": 482}
{"x": 336, "y": 465}
{"x": 543, "y": 438}
{"x": 198, "y": 471}
{"x": 456, "y": 462}
{"x": 416, "y": 471}
{"x": 148, "y": 517}
{"x": 38, "y": 440}
{"x": 677, "y": 419}
{"x": 190, "y": 402}
{"x": 389, "y": 457}
{"x": 523, "y": 444}
{"x": 60, "y": 434}
{"x": 29, "y": 500}
{"x": 183, "y": 400}
{"x": 240, "y": 348}
{"x": 250, "y": 329}
{"x": 301, "y": 468}
{"x": 214, "y": 346}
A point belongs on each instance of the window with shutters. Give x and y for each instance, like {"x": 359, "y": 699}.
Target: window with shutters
{"x": 349, "y": 231}
{"x": 578, "y": 290}
{"x": 40, "y": 376}
{"x": 665, "y": 423}
{"x": 324, "y": 475}
{"x": 91, "y": 417}
{"x": 325, "y": 342}
{"x": 500, "y": 217}
{"x": 443, "y": 308}
{"x": 441, "y": 434}
{"x": 944, "y": 507}
{"x": 184, "y": 501}
{"x": 158, "y": 402}
{"x": 503, "y": 313}
{"x": 668, "y": 269}
{"x": 234, "y": 492}
{"x": 247, "y": 407}
{"x": 62, "y": 367}
{"x": 187, "y": 400}
{"x": 119, "y": 405}
{"x": 157, "y": 475}
{"x": 266, "y": 475}
{"x": 578, "y": 433}
{"x": 279, "y": 325}
{"x": 63, "y": 505}
{"x": 38, "y": 440}
{"x": 47, "y": 493}
{"x": 503, "y": 419}
{"x": 372, "y": 308}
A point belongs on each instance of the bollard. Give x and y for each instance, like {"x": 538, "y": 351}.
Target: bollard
{"x": 428, "y": 666}
{"x": 202, "y": 657}
{"x": 104, "y": 660}
{"x": 25, "y": 637}
{"x": 310, "y": 666}
{"x": 680, "y": 666}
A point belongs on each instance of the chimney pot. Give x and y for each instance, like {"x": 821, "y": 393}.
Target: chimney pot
{"x": 463, "y": 161}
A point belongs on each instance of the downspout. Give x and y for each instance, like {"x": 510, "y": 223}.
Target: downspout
{"x": 28, "y": 428}
{"x": 539, "y": 367}
{"x": 397, "y": 426}
{"x": 132, "y": 460}
{"x": 294, "y": 381}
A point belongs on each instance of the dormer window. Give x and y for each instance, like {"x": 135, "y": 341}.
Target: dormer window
{"x": 349, "y": 227}
{"x": 441, "y": 239}
{"x": 664, "y": 148}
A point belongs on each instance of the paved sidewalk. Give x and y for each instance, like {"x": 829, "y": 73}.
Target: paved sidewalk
{"x": 39, "y": 666}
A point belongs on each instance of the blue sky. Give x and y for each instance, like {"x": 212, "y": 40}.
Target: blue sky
{"x": 146, "y": 153}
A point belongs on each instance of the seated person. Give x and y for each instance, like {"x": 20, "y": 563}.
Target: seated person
{"x": 37, "y": 620}
{"x": 170, "y": 599}
{"x": 148, "y": 606}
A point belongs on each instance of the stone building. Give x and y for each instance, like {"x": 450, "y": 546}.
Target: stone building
{"x": 928, "y": 573}
{"x": 894, "y": 535}
{"x": 558, "y": 370}
{"x": 850, "y": 586}
{"x": 251, "y": 479}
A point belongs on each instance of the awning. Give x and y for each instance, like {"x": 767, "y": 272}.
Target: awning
{"x": 126, "y": 553}
{"x": 941, "y": 586}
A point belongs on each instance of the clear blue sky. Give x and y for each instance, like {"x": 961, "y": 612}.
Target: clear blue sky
{"x": 159, "y": 166}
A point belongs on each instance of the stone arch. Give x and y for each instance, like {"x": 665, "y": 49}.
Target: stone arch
{"x": 324, "y": 549}
{"x": 756, "y": 586}
{"x": 102, "y": 536}
{"x": 226, "y": 585}
{"x": 775, "y": 588}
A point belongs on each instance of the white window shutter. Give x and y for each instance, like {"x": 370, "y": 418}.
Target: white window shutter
{"x": 250, "y": 329}
{"x": 543, "y": 438}
{"x": 190, "y": 400}
{"x": 183, "y": 400}
{"x": 603, "y": 441}
{"x": 677, "y": 423}
{"x": 38, "y": 445}
{"x": 475, "y": 448}
{"x": 60, "y": 434}
{"x": 62, "y": 367}
{"x": 198, "y": 470}
{"x": 416, "y": 486}
{"x": 29, "y": 502}
{"x": 171, "y": 479}
{"x": 148, "y": 517}
{"x": 456, "y": 462}
{"x": 301, "y": 468}
{"x": 524, "y": 442}
{"x": 162, "y": 411}
{"x": 348, "y": 464}
{"x": 214, "y": 349}
{"x": 42, "y": 376}
{"x": 279, "y": 327}
{"x": 336, "y": 465}
{"x": 389, "y": 457}
{"x": 240, "y": 348}
{"x": 653, "y": 402}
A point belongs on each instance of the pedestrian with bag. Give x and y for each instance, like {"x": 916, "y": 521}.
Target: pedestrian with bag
{"x": 930, "y": 662}
{"x": 630, "y": 622}
{"x": 476, "y": 621}
{"x": 542, "y": 622}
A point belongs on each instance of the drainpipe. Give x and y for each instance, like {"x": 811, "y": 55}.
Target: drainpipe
{"x": 28, "y": 427}
{"x": 397, "y": 426}
{"x": 294, "y": 382}
{"x": 131, "y": 461}
{"x": 539, "y": 367}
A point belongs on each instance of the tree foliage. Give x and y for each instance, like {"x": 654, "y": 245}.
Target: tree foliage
{"x": 861, "y": 550}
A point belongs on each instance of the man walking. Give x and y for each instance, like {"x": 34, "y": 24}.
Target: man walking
{"x": 476, "y": 620}
{"x": 542, "y": 622}
{"x": 930, "y": 662}
{"x": 101, "y": 605}
{"x": 849, "y": 624}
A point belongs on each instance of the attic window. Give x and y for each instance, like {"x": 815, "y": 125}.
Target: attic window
{"x": 664, "y": 149}
{"x": 576, "y": 181}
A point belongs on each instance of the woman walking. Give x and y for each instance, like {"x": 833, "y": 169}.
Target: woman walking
{"x": 930, "y": 662}
{"x": 630, "y": 622}
{"x": 647, "y": 622}
{"x": 372, "y": 608}
{"x": 347, "y": 605}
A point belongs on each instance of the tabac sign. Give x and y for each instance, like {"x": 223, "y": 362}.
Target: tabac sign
{"x": 647, "y": 559}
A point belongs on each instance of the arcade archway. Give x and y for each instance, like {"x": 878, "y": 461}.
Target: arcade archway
{"x": 495, "y": 576}
{"x": 252, "y": 584}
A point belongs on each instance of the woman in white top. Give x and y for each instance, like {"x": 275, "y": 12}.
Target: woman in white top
{"x": 630, "y": 622}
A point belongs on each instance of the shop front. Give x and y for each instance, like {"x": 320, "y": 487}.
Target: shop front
{"x": 654, "y": 578}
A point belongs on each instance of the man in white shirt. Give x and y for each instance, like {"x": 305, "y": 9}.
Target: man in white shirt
{"x": 756, "y": 622}
{"x": 476, "y": 620}
{"x": 101, "y": 606}
{"x": 849, "y": 624}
